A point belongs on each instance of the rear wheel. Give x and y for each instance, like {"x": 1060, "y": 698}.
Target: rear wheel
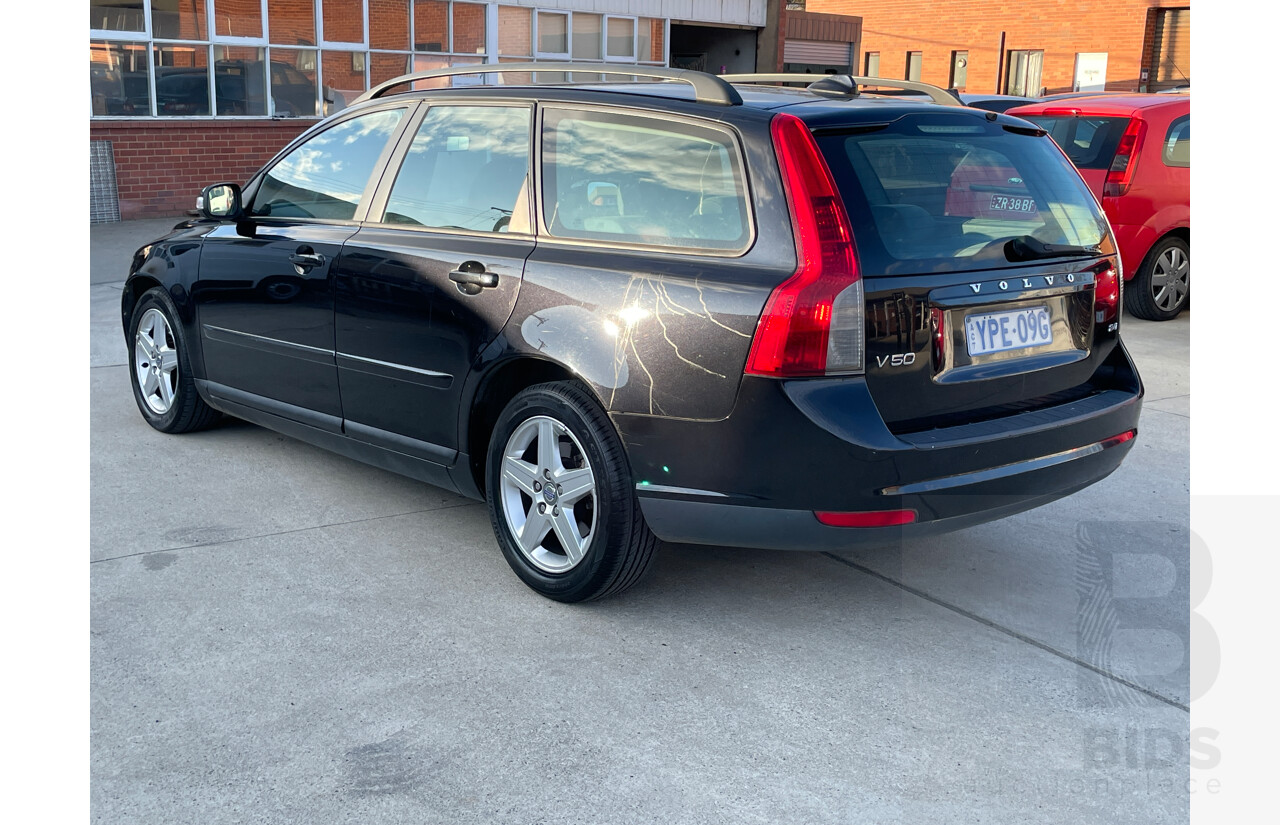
{"x": 1162, "y": 287}
{"x": 163, "y": 385}
{"x": 561, "y": 498}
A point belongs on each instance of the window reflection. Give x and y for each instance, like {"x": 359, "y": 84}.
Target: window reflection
{"x": 182, "y": 80}
{"x": 119, "y": 79}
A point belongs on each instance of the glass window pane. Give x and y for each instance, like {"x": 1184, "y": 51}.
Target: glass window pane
{"x": 239, "y": 80}
{"x": 343, "y": 76}
{"x": 553, "y": 33}
{"x": 468, "y": 28}
{"x": 914, "y": 61}
{"x": 1177, "y": 143}
{"x": 515, "y": 27}
{"x": 586, "y": 37}
{"x": 466, "y": 169}
{"x": 182, "y": 80}
{"x": 423, "y": 63}
{"x": 383, "y": 67}
{"x": 117, "y": 15}
{"x": 293, "y": 82}
{"x": 430, "y": 26}
{"x": 343, "y": 21}
{"x": 177, "y": 20}
{"x": 325, "y": 177}
{"x": 622, "y": 37}
{"x": 652, "y": 45}
{"x": 119, "y": 79}
{"x": 237, "y": 18}
{"x": 873, "y": 64}
{"x": 291, "y": 23}
{"x": 389, "y": 24}
{"x": 641, "y": 180}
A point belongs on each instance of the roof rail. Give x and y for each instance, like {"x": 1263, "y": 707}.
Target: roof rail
{"x": 846, "y": 84}
{"x": 707, "y": 88}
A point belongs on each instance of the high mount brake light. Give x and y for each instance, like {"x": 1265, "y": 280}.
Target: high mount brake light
{"x": 1120, "y": 175}
{"x": 812, "y": 323}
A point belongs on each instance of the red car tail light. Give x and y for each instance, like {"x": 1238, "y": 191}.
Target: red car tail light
{"x": 1120, "y": 175}
{"x": 812, "y": 323}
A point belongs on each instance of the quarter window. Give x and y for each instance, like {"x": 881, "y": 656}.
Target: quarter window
{"x": 326, "y": 176}
{"x": 638, "y": 180}
{"x": 466, "y": 169}
{"x": 1177, "y": 143}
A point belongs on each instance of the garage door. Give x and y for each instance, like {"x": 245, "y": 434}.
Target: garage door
{"x": 1171, "y": 52}
{"x": 816, "y": 51}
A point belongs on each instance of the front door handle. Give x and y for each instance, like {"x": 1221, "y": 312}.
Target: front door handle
{"x": 471, "y": 277}
{"x": 305, "y": 258}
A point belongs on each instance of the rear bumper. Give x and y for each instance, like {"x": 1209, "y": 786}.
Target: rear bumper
{"x": 792, "y": 448}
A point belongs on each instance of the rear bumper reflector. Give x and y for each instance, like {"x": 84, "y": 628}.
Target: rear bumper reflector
{"x": 867, "y": 518}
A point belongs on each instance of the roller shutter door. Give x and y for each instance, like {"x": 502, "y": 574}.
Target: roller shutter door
{"x": 816, "y": 51}
{"x": 1171, "y": 50}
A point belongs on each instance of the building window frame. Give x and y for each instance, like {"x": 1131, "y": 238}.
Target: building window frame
{"x": 958, "y": 68}
{"x": 919, "y": 65}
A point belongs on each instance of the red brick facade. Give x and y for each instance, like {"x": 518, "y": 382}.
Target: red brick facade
{"x": 161, "y": 166}
{"x": 1061, "y": 28}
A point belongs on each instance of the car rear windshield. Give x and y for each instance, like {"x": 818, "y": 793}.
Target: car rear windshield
{"x": 946, "y": 193}
{"x": 1090, "y": 142}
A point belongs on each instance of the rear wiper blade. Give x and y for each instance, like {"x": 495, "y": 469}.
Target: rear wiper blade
{"x": 1027, "y": 248}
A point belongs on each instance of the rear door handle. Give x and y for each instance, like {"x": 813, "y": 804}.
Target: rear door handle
{"x": 471, "y": 277}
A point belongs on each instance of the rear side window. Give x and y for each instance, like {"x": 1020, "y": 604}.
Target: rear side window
{"x": 634, "y": 179}
{"x": 941, "y": 193}
{"x": 326, "y": 176}
{"x": 1177, "y": 143}
{"x": 1090, "y": 142}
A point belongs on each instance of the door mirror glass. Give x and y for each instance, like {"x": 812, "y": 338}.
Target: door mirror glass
{"x": 220, "y": 201}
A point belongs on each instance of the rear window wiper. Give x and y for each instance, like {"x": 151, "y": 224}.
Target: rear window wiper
{"x": 1027, "y": 248}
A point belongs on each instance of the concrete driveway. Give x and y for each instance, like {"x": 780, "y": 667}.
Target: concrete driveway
{"x": 283, "y": 635}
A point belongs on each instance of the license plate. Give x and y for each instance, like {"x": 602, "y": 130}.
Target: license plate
{"x": 1002, "y": 331}
{"x": 1006, "y": 203}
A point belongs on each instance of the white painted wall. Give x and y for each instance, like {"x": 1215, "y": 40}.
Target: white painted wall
{"x": 741, "y": 12}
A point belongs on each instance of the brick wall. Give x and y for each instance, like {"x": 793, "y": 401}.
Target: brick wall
{"x": 161, "y": 166}
{"x": 1061, "y": 28}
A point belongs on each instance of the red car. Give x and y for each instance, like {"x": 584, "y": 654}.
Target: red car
{"x": 1134, "y": 152}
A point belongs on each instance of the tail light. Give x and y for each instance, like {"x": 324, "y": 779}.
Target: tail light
{"x": 1120, "y": 175}
{"x": 813, "y": 322}
{"x": 1106, "y": 292}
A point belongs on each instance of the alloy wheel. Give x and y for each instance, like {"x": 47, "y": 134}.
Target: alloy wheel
{"x": 155, "y": 358}
{"x": 1171, "y": 278}
{"x": 548, "y": 494}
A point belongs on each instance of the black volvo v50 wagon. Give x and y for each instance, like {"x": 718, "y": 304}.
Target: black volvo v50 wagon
{"x": 711, "y": 311}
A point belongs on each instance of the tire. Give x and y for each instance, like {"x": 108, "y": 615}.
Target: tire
{"x": 160, "y": 370}
{"x": 598, "y": 545}
{"x": 1162, "y": 287}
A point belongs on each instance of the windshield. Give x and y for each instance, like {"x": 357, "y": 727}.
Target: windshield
{"x": 946, "y": 193}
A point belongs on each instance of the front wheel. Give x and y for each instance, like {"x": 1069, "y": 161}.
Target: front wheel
{"x": 160, "y": 368}
{"x": 561, "y": 497}
{"x": 1162, "y": 286}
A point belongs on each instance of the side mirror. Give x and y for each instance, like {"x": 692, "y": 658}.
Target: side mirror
{"x": 221, "y": 201}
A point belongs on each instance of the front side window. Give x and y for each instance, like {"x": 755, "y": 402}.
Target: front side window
{"x": 326, "y": 176}
{"x": 1177, "y": 143}
{"x": 638, "y": 180}
{"x": 465, "y": 170}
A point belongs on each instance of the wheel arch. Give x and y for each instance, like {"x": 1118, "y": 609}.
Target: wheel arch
{"x": 499, "y": 384}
